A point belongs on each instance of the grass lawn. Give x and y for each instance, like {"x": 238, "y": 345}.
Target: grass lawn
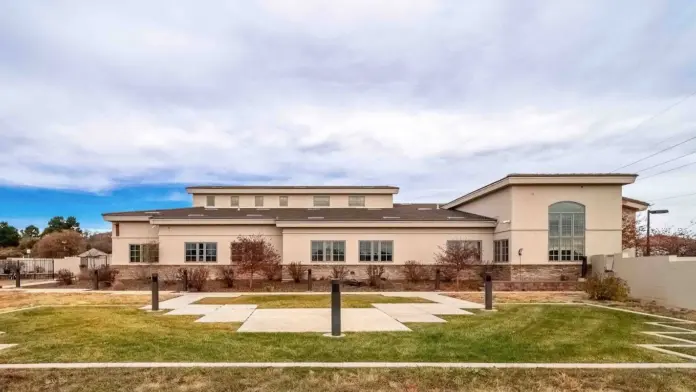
{"x": 524, "y": 333}
{"x": 309, "y": 301}
{"x": 10, "y": 300}
{"x": 683, "y": 350}
{"x": 350, "y": 380}
{"x": 526, "y": 296}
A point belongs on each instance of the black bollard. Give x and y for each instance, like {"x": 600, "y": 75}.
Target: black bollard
{"x": 155, "y": 292}
{"x": 583, "y": 269}
{"x": 185, "y": 279}
{"x": 437, "y": 279}
{"x": 96, "y": 279}
{"x": 335, "y": 308}
{"x": 18, "y": 276}
{"x": 309, "y": 279}
{"x": 488, "y": 287}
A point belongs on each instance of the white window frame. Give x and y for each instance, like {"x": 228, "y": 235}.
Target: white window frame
{"x": 375, "y": 253}
{"x": 256, "y": 201}
{"x": 208, "y": 198}
{"x": 283, "y": 198}
{"x": 321, "y": 203}
{"x": 567, "y": 230}
{"x": 356, "y": 201}
{"x": 328, "y": 251}
{"x": 501, "y": 251}
{"x": 200, "y": 252}
{"x": 135, "y": 249}
{"x": 234, "y": 201}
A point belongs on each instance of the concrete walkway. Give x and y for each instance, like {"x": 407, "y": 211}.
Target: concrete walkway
{"x": 347, "y": 365}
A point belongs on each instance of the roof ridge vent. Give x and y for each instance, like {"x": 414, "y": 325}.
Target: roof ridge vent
{"x": 315, "y": 217}
{"x": 391, "y": 217}
{"x": 373, "y": 209}
{"x": 262, "y": 209}
{"x": 196, "y": 215}
{"x": 455, "y": 217}
{"x": 254, "y": 215}
{"x": 152, "y": 212}
{"x": 424, "y": 208}
{"x": 313, "y": 209}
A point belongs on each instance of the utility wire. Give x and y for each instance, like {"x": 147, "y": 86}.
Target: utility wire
{"x": 659, "y": 152}
{"x": 666, "y": 171}
{"x": 674, "y": 197}
{"x": 671, "y": 160}
{"x": 661, "y": 112}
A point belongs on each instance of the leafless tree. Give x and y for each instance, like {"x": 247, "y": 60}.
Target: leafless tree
{"x": 456, "y": 256}
{"x": 252, "y": 255}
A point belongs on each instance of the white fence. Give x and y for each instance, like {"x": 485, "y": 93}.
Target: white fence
{"x": 668, "y": 280}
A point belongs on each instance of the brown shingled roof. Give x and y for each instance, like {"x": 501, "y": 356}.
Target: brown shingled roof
{"x": 400, "y": 212}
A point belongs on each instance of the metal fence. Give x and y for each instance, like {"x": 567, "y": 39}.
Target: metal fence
{"x": 29, "y": 268}
{"x": 93, "y": 262}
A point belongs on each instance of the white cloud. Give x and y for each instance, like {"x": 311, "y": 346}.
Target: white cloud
{"x": 436, "y": 97}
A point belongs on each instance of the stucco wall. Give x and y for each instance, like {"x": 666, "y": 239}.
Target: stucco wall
{"x": 173, "y": 238}
{"x": 669, "y": 280}
{"x": 294, "y": 201}
{"x": 529, "y": 226}
{"x": 409, "y": 244}
{"x": 497, "y": 205}
{"x": 131, "y": 233}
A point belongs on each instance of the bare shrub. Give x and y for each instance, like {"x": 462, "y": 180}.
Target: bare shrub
{"x": 415, "y": 271}
{"x": 118, "y": 286}
{"x": 296, "y": 271}
{"x": 227, "y": 275}
{"x": 339, "y": 272}
{"x": 168, "y": 275}
{"x": 198, "y": 277}
{"x": 65, "y": 277}
{"x": 456, "y": 256}
{"x": 59, "y": 244}
{"x": 106, "y": 274}
{"x": 141, "y": 273}
{"x": 252, "y": 254}
{"x": 273, "y": 270}
{"x": 606, "y": 288}
{"x": 374, "y": 274}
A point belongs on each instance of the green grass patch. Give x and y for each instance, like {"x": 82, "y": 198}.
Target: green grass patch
{"x": 683, "y": 350}
{"x": 527, "y": 333}
{"x": 346, "y": 380}
{"x": 309, "y": 301}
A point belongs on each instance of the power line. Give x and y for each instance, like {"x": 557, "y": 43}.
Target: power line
{"x": 671, "y": 160}
{"x": 674, "y": 197}
{"x": 659, "y": 152}
{"x": 667, "y": 171}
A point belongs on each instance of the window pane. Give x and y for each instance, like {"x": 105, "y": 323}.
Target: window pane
{"x": 356, "y": 201}
{"x": 578, "y": 248}
{"x": 386, "y": 250}
{"x": 554, "y": 225}
{"x": 210, "y": 201}
{"x": 566, "y": 225}
{"x": 578, "y": 225}
{"x": 568, "y": 207}
{"x": 554, "y": 244}
{"x": 234, "y": 201}
{"x": 135, "y": 254}
{"x": 375, "y": 250}
{"x": 258, "y": 201}
{"x": 506, "y": 251}
{"x": 339, "y": 251}
{"x": 210, "y": 251}
{"x": 322, "y": 201}
{"x": 317, "y": 251}
{"x": 365, "y": 250}
{"x": 327, "y": 251}
{"x": 283, "y": 201}
{"x": 191, "y": 251}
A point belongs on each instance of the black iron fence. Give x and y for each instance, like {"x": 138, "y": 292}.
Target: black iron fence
{"x": 28, "y": 268}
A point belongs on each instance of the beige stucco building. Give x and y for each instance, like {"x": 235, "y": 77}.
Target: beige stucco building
{"x": 526, "y": 220}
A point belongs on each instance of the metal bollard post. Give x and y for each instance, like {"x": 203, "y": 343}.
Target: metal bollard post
{"x": 488, "y": 287}
{"x": 335, "y": 308}
{"x": 18, "y": 277}
{"x": 437, "y": 279}
{"x": 155, "y": 292}
{"x": 185, "y": 279}
{"x": 309, "y": 279}
{"x": 96, "y": 279}
{"x": 583, "y": 269}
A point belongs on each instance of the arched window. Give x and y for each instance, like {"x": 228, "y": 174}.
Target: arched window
{"x": 566, "y": 231}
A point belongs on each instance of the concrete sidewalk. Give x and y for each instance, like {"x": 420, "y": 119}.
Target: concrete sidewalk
{"x": 348, "y": 365}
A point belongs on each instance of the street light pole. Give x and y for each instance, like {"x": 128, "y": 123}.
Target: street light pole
{"x": 647, "y": 238}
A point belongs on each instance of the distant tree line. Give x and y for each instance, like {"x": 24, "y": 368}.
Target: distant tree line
{"x": 62, "y": 237}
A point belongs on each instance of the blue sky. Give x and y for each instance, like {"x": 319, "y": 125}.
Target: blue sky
{"x": 119, "y": 105}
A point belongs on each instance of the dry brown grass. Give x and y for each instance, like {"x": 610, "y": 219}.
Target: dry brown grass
{"x": 353, "y": 380}
{"x": 524, "y": 296}
{"x": 10, "y": 300}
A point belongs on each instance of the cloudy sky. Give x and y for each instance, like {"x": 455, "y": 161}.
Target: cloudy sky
{"x": 110, "y": 106}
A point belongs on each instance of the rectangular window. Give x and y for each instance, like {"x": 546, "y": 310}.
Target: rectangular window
{"x": 234, "y": 201}
{"x": 283, "y": 201}
{"x": 117, "y": 232}
{"x": 501, "y": 252}
{"x": 322, "y": 201}
{"x": 473, "y": 244}
{"x": 376, "y": 251}
{"x": 328, "y": 251}
{"x": 136, "y": 253}
{"x": 356, "y": 201}
{"x": 210, "y": 201}
{"x": 258, "y": 201}
{"x": 201, "y": 251}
